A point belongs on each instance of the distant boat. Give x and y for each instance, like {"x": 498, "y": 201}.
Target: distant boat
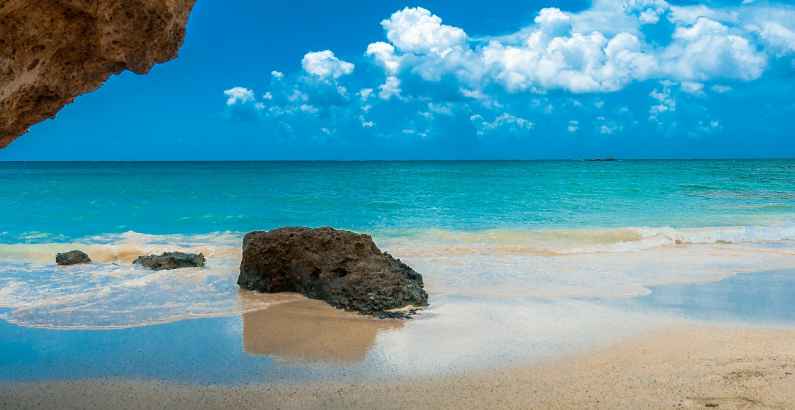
{"x": 601, "y": 159}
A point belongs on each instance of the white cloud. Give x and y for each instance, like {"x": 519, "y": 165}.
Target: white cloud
{"x": 277, "y": 74}
{"x": 648, "y": 11}
{"x": 324, "y": 64}
{"x": 365, "y": 93}
{"x": 778, "y": 38}
{"x": 504, "y": 121}
{"x": 239, "y": 95}
{"x": 384, "y": 54}
{"x": 308, "y": 108}
{"x": 553, "y": 22}
{"x": 573, "y": 126}
{"x": 578, "y": 63}
{"x": 707, "y": 51}
{"x": 416, "y": 30}
{"x": 692, "y": 87}
{"x": 665, "y": 103}
{"x": 579, "y": 52}
{"x": 390, "y": 88}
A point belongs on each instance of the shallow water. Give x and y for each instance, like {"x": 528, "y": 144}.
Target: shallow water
{"x": 766, "y": 298}
{"x": 294, "y": 342}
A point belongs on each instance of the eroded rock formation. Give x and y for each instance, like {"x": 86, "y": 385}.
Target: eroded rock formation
{"x": 345, "y": 269}
{"x": 52, "y": 51}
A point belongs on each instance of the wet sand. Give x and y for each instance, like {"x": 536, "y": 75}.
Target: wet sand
{"x": 311, "y": 331}
{"x": 676, "y": 367}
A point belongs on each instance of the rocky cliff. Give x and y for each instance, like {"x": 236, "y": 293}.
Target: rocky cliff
{"x": 52, "y": 51}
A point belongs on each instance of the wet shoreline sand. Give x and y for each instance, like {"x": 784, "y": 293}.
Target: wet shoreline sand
{"x": 692, "y": 366}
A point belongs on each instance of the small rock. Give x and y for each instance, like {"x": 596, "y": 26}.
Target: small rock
{"x": 171, "y": 260}
{"x": 72, "y": 258}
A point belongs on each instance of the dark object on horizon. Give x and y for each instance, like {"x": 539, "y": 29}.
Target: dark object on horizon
{"x": 171, "y": 260}
{"x": 72, "y": 258}
{"x": 608, "y": 159}
{"x": 343, "y": 268}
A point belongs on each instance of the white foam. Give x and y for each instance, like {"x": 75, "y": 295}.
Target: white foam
{"x": 554, "y": 264}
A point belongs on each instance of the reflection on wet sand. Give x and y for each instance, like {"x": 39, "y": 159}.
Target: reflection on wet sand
{"x": 312, "y": 331}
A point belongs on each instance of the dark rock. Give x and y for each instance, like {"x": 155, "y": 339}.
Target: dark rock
{"x": 72, "y": 258}
{"x": 345, "y": 269}
{"x": 171, "y": 260}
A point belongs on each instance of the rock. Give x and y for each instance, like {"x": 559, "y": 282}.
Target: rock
{"x": 52, "y": 51}
{"x": 343, "y": 268}
{"x": 171, "y": 260}
{"x": 72, "y": 258}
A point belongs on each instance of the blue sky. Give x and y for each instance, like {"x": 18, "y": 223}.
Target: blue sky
{"x": 449, "y": 79}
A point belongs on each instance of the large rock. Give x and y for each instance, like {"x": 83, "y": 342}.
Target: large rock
{"x": 171, "y": 260}
{"x": 343, "y": 268}
{"x": 72, "y": 258}
{"x": 51, "y": 51}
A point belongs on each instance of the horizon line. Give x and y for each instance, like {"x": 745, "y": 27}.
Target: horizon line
{"x": 589, "y": 159}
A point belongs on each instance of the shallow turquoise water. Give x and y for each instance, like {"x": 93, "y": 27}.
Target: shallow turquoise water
{"x": 42, "y": 202}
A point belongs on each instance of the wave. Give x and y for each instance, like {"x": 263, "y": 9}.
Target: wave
{"x": 561, "y": 242}
{"x": 112, "y": 293}
{"x": 123, "y": 247}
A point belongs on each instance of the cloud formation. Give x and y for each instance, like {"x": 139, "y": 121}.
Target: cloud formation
{"x": 625, "y": 67}
{"x": 324, "y": 64}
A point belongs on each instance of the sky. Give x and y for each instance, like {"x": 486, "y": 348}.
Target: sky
{"x": 449, "y": 79}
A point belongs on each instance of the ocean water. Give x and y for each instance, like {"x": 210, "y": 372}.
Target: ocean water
{"x": 491, "y": 230}
{"x": 521, "y": 260}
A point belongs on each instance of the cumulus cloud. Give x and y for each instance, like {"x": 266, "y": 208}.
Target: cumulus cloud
{"x": 619, "y": 68}
{"x": 389, "y": 89}
{"x": 384, "y": 54}
{"x": 324, "y": 64}
{"x": 239, "y": 95}
{"x": 707, "y": 50}
{"x": 553, "y": 22}
{"x": 416, "y": 30}
{"x": 647, "y": 11}
{"x": 556, "y": 53}
{"x": 780, "y": 39}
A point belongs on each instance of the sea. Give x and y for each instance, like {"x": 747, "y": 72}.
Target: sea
{"x": 519, "y": 257}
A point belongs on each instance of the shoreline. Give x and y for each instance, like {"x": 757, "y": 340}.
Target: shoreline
{"x": 681, "y": 366}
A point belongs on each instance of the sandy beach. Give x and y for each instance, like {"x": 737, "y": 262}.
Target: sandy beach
{"x": 678, "y": 367}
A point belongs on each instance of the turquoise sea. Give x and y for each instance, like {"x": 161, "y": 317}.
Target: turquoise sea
{"x": 64, "y": 201}
{"x": 555, "y": 255}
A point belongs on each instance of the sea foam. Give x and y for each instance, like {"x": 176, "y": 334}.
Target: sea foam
{"x": 507, "y": 263}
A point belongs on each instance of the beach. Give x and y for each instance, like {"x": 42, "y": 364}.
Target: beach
{"x": 678, "y": 367}
{"x": 671, "y": 286}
